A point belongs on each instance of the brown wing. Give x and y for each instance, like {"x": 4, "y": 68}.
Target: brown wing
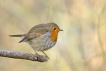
{"x": 35, "y": 32}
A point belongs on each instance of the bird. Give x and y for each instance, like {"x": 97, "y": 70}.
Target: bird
{"x": 41, "y": 37}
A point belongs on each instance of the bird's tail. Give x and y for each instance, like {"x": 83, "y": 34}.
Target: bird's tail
{"x": 21, "y": 35}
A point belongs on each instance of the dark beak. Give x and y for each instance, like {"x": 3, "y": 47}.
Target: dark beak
{"x": 61, "y": 30}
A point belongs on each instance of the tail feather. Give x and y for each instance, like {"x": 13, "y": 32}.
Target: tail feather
{"x": 23, "y": 40}
{"x": 22, "y": 36}
{"x": 16, "y": 35}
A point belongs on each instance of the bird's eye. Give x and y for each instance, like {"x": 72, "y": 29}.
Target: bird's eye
{"x": 54, "y": 28}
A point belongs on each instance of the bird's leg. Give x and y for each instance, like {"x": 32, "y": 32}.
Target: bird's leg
{"x": 43, "y": 52}
{"x": 36, "y": 53}
{"x": 45, "y": 55}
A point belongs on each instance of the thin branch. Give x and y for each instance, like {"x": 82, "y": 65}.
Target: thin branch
{"x": 21, "y": 55}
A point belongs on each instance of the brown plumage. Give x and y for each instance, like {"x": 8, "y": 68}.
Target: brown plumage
{"x": 41, "y": 37}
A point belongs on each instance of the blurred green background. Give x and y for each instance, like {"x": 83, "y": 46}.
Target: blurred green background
{"x": 80, "y": 47}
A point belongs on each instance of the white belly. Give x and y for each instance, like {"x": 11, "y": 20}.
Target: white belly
{"x": 41, "y": 43}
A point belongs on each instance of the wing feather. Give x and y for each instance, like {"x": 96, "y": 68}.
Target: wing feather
{"x": 35, "y": 32}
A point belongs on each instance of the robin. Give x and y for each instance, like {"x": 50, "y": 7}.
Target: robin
{"x": 41, "y": 37}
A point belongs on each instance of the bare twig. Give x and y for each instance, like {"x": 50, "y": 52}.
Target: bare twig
{"x": 21, "y": 55}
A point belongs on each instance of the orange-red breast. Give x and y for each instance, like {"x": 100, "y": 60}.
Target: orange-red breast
{"x": 41, "y": 37}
